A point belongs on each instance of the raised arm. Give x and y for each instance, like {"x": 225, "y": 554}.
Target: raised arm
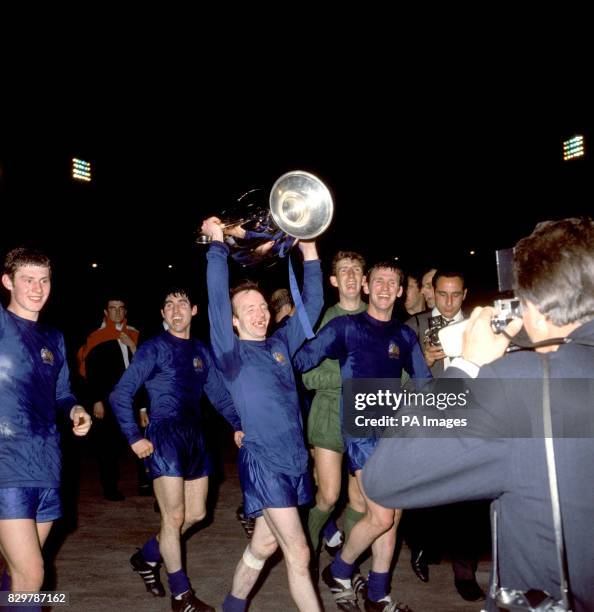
{"x": 312, "y": 295}
{"x": 222, "y": 337}
{"x": 313, "y": 290}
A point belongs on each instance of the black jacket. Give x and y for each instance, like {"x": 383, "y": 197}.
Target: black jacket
{"x": 417, "y": 472}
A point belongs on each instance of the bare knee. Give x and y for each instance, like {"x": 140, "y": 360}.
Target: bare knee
{"x": 194, "y": 517}
{"x": 380, "y": 521}
{"x": 326, "y": 498}
{"x": 29, "y": 578}
{"x": 297, "y": 556}
{"x": 264, "y": 548}
{"x": 173, "y": 519}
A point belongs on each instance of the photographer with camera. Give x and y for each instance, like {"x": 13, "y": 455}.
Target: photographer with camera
{"x": 542, "y": 485}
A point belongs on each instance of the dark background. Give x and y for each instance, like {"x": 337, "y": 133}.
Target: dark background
{"x": 427, "y": 188}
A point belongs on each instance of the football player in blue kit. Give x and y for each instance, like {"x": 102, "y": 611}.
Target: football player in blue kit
{"x": 34, "y": 392}
{"x": 368, "y": 345}
{"x": 273, "y": 460}
{"x": 175, "y": 370}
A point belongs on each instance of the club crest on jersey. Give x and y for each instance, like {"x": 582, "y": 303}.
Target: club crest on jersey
{"x": 280, "y": 358}
{"x": 47, "y": 356}
{"x": 198, "y": 364}
{"x": 393, "y": 351}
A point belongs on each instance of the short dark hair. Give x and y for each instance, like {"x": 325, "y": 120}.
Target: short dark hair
{"x": 554, "y": 269}
{"x": 279, "y": 298}
{"x": 415, "y": 275}
{"x": 347, "y": 255}
{"x": 388, "y": 264}
{"x": 22, "y": 256}
{"x": 114, "y": 297}
{"x": 244, "y": 285}
{"x": 178, "y": 291}
{"x": 449, "y": 273}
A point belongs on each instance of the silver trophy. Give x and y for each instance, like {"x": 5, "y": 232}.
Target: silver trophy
{"x": 299, "y": 207}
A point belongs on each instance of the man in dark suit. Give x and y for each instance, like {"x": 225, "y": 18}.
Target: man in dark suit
{"x": 103, "y": 359}
{"x": 455, "y": 528}
{"x": 450, "y": 292}
{"x": 554, "y": 275}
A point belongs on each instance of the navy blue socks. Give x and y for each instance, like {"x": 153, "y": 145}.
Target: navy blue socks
{"x": 178, "y": 582}
{"x": 378, "y": 585}
{"x": 150, "y": 551}
{"x": 232, "y": 604}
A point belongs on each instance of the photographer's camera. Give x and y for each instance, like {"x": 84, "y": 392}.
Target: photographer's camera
{"x": 509, "y": 309}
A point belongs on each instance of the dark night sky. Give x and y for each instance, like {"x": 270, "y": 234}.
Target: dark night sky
{"x": 427, "y": 187}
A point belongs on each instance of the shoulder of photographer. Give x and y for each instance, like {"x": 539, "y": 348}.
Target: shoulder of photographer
{"x": 480, "y": 344}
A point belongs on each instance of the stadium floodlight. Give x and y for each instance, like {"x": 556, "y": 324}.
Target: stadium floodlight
{"x": 81, "y": 170}
{"x": 572, "y": 148}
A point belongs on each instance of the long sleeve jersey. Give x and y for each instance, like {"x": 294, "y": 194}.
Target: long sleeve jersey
{"x": 34, "y": 390}
{"x": 259, "y": 374}
{"x": 175, "y": 372}
{"x": 325, "y": 379}
{"x": 365, "y": 348}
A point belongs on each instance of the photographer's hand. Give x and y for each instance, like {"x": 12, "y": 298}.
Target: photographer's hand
{"x": 480, "y": 344}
